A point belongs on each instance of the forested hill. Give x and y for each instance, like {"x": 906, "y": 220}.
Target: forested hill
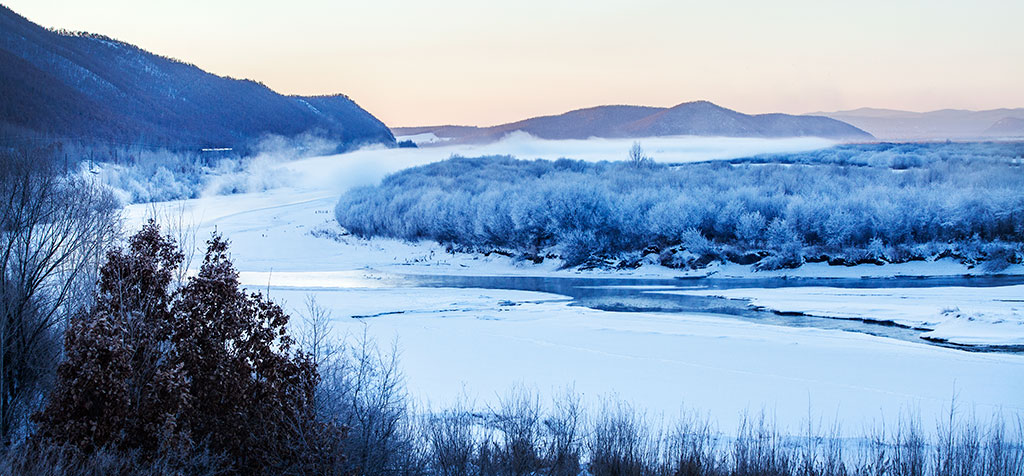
{"x": 697, "y": 118}
{"x": 91, "y": 89}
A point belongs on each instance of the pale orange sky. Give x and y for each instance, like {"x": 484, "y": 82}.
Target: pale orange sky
{"x": 473, "y": 62}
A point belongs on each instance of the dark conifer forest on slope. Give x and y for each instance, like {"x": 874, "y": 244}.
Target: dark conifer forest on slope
{"x": 91, "y": 90}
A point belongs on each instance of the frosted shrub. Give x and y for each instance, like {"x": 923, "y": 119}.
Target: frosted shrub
{"x": 695, "y": 242}
{"x": 785, "y": 245}
{"x": 579, "y": 245}
{"x": 751, "y": 227}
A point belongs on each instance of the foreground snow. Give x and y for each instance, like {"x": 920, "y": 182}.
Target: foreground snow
{"x": 479, "y": 343}
{"x": 475, "y": 344}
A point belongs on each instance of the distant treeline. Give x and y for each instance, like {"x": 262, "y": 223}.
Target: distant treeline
{"x": 848, "y": 204}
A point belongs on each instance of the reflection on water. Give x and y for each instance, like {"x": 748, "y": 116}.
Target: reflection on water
{"x": 642, "y": 295}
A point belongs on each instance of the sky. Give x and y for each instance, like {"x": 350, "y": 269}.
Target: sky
{"x": 485, "y": 63}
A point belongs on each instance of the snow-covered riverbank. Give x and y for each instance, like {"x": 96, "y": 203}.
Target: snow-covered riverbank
{"x": 959, "y": 315}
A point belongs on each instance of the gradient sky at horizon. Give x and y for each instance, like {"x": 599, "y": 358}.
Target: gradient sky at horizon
{"x": 480, "y": 63}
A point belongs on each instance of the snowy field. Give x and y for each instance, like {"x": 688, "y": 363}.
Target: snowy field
{"x": 477, "y": 343}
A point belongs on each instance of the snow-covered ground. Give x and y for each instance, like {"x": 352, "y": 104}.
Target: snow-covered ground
{"x": 961, "y": 315}
{"x": 457, "y": 342}
{"x": 479, "y": 342}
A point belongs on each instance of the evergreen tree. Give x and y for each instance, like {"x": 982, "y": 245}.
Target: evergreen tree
{"x": 158, "y": 371}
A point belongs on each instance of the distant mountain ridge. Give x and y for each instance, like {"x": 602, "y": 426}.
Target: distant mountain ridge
{"x": 1008, "y": 126}
{"x": 93, "y": 88}
{"x": 891, "y": 124}
{"x": 697, "y": 118}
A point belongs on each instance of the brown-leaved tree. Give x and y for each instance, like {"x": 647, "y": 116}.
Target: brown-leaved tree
{"x": 160, "y": 371}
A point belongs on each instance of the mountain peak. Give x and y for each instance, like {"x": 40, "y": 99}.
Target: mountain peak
{"x": 697, "y": 103}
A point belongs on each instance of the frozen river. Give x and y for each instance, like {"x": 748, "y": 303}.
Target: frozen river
{"x": 677, "y": 295}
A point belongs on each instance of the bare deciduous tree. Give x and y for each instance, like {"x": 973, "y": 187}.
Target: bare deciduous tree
{"x": 315, "y": 338}
{"x": 53, "y": 230}
{"x": 637, "y": 157}
{"x": 370, "y": 399}
{"x": 518, "y": 420}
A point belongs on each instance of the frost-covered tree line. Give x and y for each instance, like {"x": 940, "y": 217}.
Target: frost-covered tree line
{"x": 155, "y": 176}
{"x": 849, "y": 204}
{"x": 140, "y": 174}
